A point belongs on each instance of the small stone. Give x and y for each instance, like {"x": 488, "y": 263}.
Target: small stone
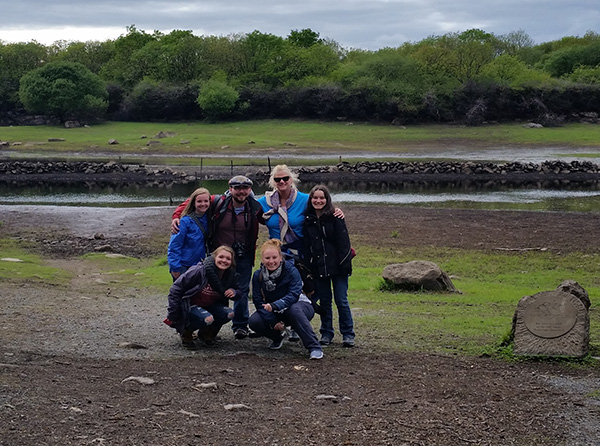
{"x": 139, "y": 379}
{"x": 237, "y": 407}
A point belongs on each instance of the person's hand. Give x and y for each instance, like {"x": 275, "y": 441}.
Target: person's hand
{"x": 230, "y": 293}
{"x": 337, "y": 212}
{"x": 175, "y": 274}
{"x": 268, "y": 307}
{"x": 279, "y": 326}
{"x": 175, "y": 226}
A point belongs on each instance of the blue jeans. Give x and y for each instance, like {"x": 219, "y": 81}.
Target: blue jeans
{"x": 340, "y": 294}
{"x": 298, "y": 316}
{"x": 197, "y": 316}
{"x": 240, "y": 305}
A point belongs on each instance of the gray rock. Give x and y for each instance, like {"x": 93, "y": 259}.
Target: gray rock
{"x": 418, "y": 275}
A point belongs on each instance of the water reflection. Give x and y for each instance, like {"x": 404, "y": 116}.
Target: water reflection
{"x": 583, "y": 197}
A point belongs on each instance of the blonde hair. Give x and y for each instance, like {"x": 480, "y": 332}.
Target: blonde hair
{"x": 225, "y": 248}
{"x": 286, "y": 169}
{"x": 271, "y": 244}
{"x": 190, "y": 207}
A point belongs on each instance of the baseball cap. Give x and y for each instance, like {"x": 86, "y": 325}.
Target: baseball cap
{"x": 240, "y": 180}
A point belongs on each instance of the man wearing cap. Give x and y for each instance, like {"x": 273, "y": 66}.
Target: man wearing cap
{"x": 234, "y": 219}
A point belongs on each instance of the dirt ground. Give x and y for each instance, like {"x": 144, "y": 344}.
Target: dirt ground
{"x": 92, "y": 364}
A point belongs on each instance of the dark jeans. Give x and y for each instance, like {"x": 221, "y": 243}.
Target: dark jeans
{"x": 197, "y": 316}
{"x": 298, "y": 316}
{"x": 340, "y": 294}
{"x": 240, "y": 305}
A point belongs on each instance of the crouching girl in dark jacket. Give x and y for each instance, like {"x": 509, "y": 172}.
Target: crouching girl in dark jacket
{"x": 198, "y": 299}
{"x": 328, "y": 254}
{"x": 279, "y": 301}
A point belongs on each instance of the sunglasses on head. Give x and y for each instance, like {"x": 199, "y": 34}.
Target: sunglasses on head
{"x": 278, "y": 179}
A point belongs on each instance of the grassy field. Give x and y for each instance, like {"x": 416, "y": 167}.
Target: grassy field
{"x": 473, "y": 322}
{"x": 257, "y": 139}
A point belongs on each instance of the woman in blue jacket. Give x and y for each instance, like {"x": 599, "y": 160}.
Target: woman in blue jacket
{"x": 284, "y": 208}
{"x": 188, "y": 246}
{"x": 328, "y": 254}
{"x": 279, "y": 301}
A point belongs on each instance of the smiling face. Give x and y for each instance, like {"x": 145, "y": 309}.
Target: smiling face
{"x": 271, "y": 258}
{"x": 240, "y": 193}
{"x": 318, "y": 200}
{"x": 223, "y": 259}
{"x": 283, "y": 181}
{"x": 201, "y": 203}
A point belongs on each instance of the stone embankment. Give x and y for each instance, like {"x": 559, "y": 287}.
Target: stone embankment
{"x": 84, "y": 171}
{"x": 84, "y": 167}
{"x": 556, "y": 172}
{"x": 462, "y": 168}
{"x": 396, "y": 171}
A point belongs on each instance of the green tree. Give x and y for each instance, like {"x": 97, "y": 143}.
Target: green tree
{"x": 510, "y": 71}
{"x": 304, "y": 38}
{"x": 123, "y": 68}
{"x": 17, "y": 59}
{"x": 217, "y": 99}
{"x": 93, "y": 54}
{"x": 64, "y": 89}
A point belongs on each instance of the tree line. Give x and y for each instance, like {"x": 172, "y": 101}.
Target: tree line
{"x": 469, "y": 77}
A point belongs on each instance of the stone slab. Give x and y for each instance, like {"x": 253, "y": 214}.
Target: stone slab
{"x": 551, "y": 323}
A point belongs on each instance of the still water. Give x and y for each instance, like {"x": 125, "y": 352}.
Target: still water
{"x": 581, "y": 198}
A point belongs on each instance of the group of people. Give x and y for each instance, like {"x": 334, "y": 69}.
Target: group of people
{"x": 306, "y": 233}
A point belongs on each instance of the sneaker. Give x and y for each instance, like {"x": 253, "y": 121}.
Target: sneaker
{"x": 253, "y": 334}
{"x": 276, "y": 345}
{"x": 316, "y": 354}
{"x": 293, "y": 336}
{"x": 325, "y": 341}
{"x": 240, "y": 333}
{"x": 187, "y": 340}
{"x": 348, "y": 341}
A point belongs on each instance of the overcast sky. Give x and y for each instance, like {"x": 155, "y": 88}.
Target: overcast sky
{"x": 364, "y": 24}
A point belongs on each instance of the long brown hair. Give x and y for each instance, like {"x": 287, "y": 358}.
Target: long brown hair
{"x": 190, "y": 207}
{"x": 328, "y": 208}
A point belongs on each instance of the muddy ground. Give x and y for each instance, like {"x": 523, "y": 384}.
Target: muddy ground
{"x": 92, "y": 364}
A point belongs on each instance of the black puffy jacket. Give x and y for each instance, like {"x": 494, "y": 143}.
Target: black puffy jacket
{"x": 327, "y": 250}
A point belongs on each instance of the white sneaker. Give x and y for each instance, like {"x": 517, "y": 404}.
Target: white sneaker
{"x": 316, "y": 354}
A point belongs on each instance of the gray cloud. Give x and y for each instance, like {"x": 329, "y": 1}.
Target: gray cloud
{"x": 362, "y": 24}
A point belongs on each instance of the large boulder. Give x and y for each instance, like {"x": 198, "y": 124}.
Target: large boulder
{"x": 418, "y": 275}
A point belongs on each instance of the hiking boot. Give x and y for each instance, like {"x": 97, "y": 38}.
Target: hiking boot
{"x": 276, "y": 344}
{"x": 325, "y": 341}
{"x": 187, "y": 340}
{"x": 293, "y": 336}
{"x": 348, "y": 341}
{"x": 240, "y": 333}
{"x": 208, "y": 335}
{"x": 316, "y": 354}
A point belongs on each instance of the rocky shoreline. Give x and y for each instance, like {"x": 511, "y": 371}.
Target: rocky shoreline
{"x": 547, "y": 172}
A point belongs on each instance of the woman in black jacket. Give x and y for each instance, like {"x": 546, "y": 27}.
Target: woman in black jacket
{"x": 328, "y": 254}
{"x": 198, "y": 299}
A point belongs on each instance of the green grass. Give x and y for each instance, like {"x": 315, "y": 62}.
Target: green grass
{"x": 261, "y": 138}
{"x": 28, "y": 269}
{"x": 472, "y": 322}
